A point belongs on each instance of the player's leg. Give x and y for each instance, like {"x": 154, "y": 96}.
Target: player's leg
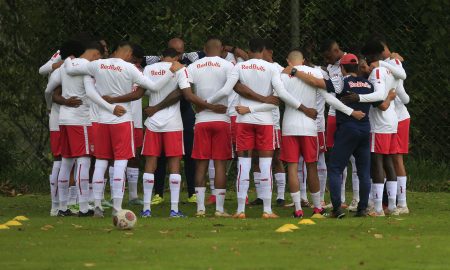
{"x": 201, "y": 152}
{"x": 278, "y": 169}
{"x": 189, "y": 162}
{"x": 264, "y": 144}
{"x": 211, "y": 176}
{"x": 173, "y": 148}
{"x": 302, "y": 175}
{"x": 133, "y": 169}
{"x": 403, "y": 143}
{"x": 64, "y": 173}
{"x": 362, "y": 163}
{"x": 391, "y": 184}
{"x": 98, "y": 184}
{"x": 344, "y": 180}
{"x": 379, "y": 146}
{"x": 355, "y": 186}
{"x": 160, "y": 179}
{"x": 201, "y": 166}
{"x": 256, "y": 179}
{"x": 55, "y": 147}
{"x": 322, "y": 171}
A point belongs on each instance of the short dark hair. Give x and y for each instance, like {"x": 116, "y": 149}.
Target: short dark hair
{"x": 353, "y": 68}
{"x": 326, "y": 45}
{"x": 372, "y": 47}
{"x": 96, "y": 45}
{"x": 268, "y": 44}
{"x": 170, "y": 52}
{"x": 71, "y": 47}
{"x": 123, "y": 44}
{"x": 256, "y": 45}
{"x": 138, "y": 51}
{"x": 213, "y": 38}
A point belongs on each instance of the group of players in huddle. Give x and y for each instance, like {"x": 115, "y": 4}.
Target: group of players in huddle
{"x": 95, "y": 103}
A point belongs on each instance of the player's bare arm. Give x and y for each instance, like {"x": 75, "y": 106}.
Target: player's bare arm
{"x": 192, "y": 98}
{"x": 238, "y": 52}
{"x": 171, "y": 99}
{"x": 246, "y": 92}
{"x": 387, "y": 102}
{"x": 135, "y": 95}
{"x": 69, "y": 102}
{"x": 309, "y": 79}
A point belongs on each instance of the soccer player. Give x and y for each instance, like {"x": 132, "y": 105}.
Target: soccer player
{"x": 300, "y": 131}
{"x": 332, "y": 54}
{"x": 255, "y": 129}
{"x": 114, "y": 139}
{"x": 212, "y": 134}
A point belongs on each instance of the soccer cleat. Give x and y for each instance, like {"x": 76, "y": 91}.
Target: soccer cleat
{"x": 344, "y": 206}
{"x": 98, "y": 212}
{"x": 280, "y": 202}
{"x": 376, "y": 214}
{"x": 54, "y": 212}
{"x": 257, "y": 201}
{"x": 174, "y": 214}
{"x": 192, "y": 199}
{"x": 269, "y": 215}
{"x": 211, "y": 200}
{"x": 200, "y": 213}
{"x": 402, "y": 210}
{"x": 319, "y": 213}
{"x": 338, "y": 213}
{"x": 90, "y": 207}
{"x": 106, "y": 204}
{"x": 66, "y": 213}
{"x": 298, "y": 214}
{"x": 353, "y": 206}
{"x": 146, "y": 214}
{"x": 75, "y": 208}
{"x": 114, "y": 212}
{"x": 222, "y": 214}
{"x": 135, "y": 202}
{"x": 361, "y": 213}
{"x": 305, "y": 203}
{"x": 157, "y": 200}
{"x": 392, "y": 212}
{"x": 240, "y": 215}
{"x": 89, "y": 213}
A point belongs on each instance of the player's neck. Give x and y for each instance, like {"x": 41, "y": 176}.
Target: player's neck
{"x": 253, "y": 55}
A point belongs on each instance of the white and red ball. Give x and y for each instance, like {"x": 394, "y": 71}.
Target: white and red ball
{"x": 124, "y": 220}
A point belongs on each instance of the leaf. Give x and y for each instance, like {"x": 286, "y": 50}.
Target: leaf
{"x": 378, "y": 236}
{"x": 89, "y": 264}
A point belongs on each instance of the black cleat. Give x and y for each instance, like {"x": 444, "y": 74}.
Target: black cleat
{"x": 66, "y": 213}
{"x": 257, "y": 201}
{"x": 338, "y": 213}
{"x": 89, "y": 213}
{"x": 361, "y": 213}
{"x": 280, "y": 202}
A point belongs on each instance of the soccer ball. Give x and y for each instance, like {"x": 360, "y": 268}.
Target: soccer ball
{"x": 124, "y": 220}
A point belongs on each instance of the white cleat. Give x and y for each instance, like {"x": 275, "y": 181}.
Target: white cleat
{"x": 392, "y": 212}
{"x": 222, "y": 214}
{"x": 200, "y": 213}
{"x": 403, "y": 210}
{"x": 374, "y": 213}
{"x": 54, "y": 212}
{"x": 353, "y": 206}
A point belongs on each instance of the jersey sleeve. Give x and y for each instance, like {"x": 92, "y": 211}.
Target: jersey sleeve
{"x": 191, "y": 72}
{"x": 336, "y": 103}
{"x": 94, "y": 96}
{"x": 282, "y": 93}
{"x": 232, "y": 79}
{"x": 74, "y": 69}
{"x": 263, "y": 107}
{"x": 377, "y": 80}
{"x": 397, "y": 69}
{"x": 401, "y": 93}
{"x": 183, "y": 78}
{"x": 53, "y": 82}
{"x": 46, "y": 68}
{"x": 139, "y": 79}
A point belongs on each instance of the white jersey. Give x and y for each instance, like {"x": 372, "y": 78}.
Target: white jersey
{"x": 336, "y": 77}
{"x": 114, "y": 77}
{"x": 46, "y": 69}
{"x": 276, "y": 111}
{"x": 295, "y": 122}
{"x": 169, "y": 118}
{"x": 136, "y": 108}
{"x": 233, "y": 98}
{"x": 320, "y": 120}
{"x": 73, "y": 86}
{"x": 262, "y": 77}
{"x": 402, "y": 97}
{"x": 209, "y": 75}
{"x": 383, "y": 121}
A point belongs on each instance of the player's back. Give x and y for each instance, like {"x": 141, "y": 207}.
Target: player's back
{"x": 296, "y": 122}
{"x": 383, "y": 121}
{"x": 155, "y": 72}
{"x": 257, "y": 75}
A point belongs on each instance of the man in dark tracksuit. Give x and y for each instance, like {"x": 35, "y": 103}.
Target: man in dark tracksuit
{"x": 352, "y": 137}
{"x": 188, "y": 118}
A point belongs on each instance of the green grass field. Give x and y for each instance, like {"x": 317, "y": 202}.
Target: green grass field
{"x": 418, "y": 241}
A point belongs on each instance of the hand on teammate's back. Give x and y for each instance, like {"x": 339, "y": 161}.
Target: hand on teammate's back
{"x": 310, "y": 112}
{"x": 150, "y": 111}
{"x": 108, "y": 99}
{"x": 358, "y": 115}
{"x": 218, "y": 108}
{"x": 287, "y": 70}
{"x": 272, "y": 100}
{"x": 397, "y": 56}
{"x": 176, "y": 66}
{"x": 392, "y": 94}
{"x": 119, "y": 110}
{"x": 350, "y": 98}
{"x": 73, "y": 102}
{"x": 242, "y": 109}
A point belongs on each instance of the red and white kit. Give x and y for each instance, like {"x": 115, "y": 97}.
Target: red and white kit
{"x": 164, "y": 131}
{"x": 212, "y": 133}
{"x": 336, "y": 77}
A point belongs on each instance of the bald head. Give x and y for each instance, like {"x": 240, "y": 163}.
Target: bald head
{"x": 177, "y": 44}
{"x": 213, "y": 47}
{"x": 295, "y": 58}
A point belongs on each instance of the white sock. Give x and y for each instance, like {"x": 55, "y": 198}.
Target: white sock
{"x": 63, "y": 182}
{"x": 401, "y": 190}
{"x": 302, "y": 175}
{"x": 281, "y": 185}
{"x": 82, "y": 182}
{"x": 132, "y": 178}
{"x": 200, "y": 192}
{"x": 220, "y": 199}
{"x": 257, "y": 180}
{"x": 105, "y": 181}
{"x": 242, "y": 182}
{"x": 211, "y": 175}
{"x": 344, "y": 179}
{"x": 148, "y": 180}
{"x": 377, "y": 195}
{"x": 54, "y": 184}
{"x": 175, "y": 183}
{"x": 322, "y": 173}
{"x": 265, "y": 184}
{"x": 316, "y": 200}
{"x": 296, "y": 199}
{"x": 111, "y": 179}
{"x": 91, "y": 193}
{"x": 391, "y": 188}
{"x": 98, "y": 181}
{"x": 119, "y": 183}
